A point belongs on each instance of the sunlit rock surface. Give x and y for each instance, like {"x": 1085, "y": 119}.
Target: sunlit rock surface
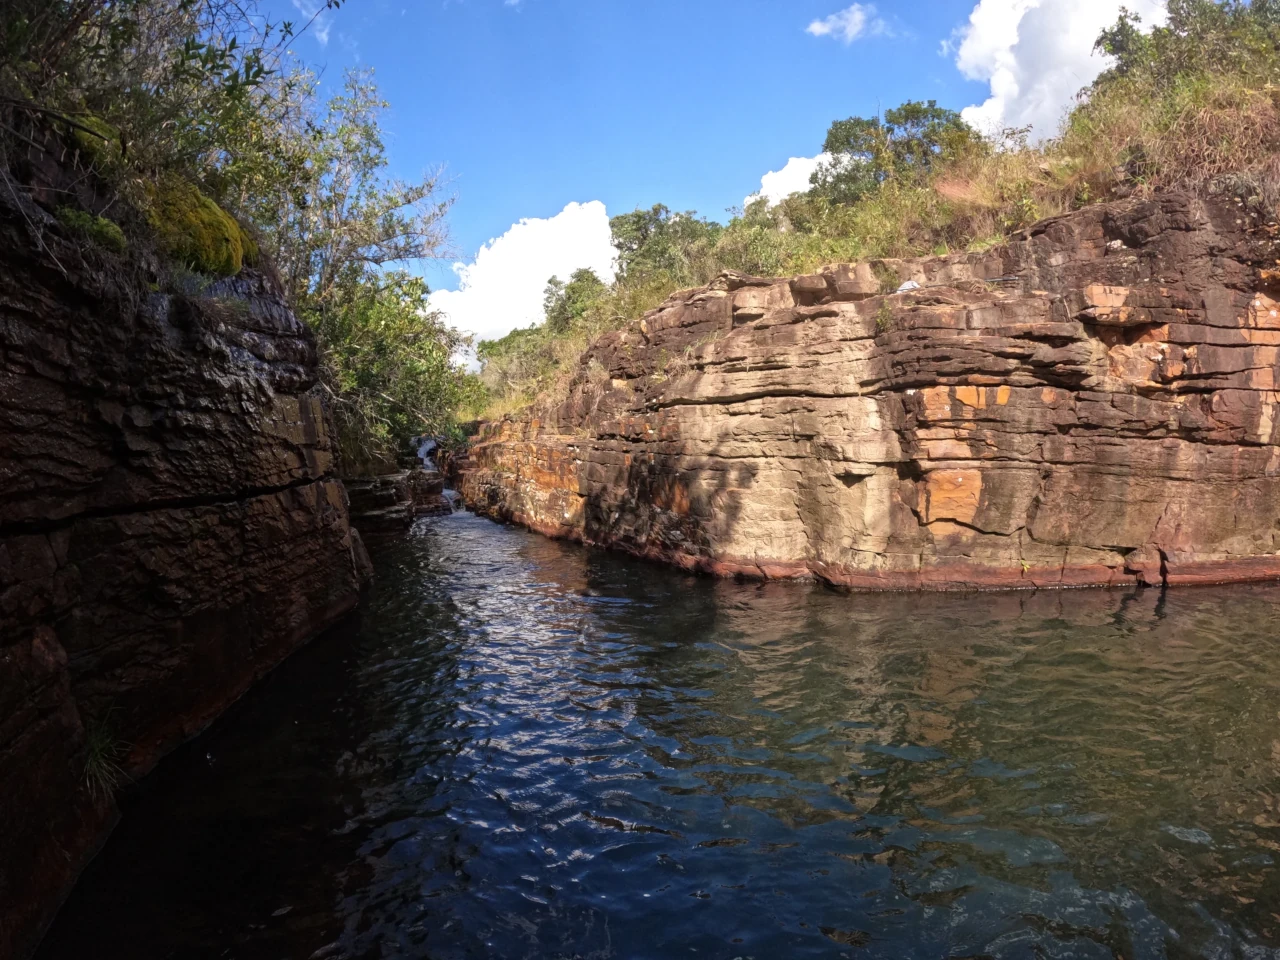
{"x": 1094, "y": 403}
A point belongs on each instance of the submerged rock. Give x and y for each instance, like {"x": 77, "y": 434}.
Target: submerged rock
{"x": 1093, "y": 403}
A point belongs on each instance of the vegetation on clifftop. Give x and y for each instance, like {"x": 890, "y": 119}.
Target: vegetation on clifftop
{"x": 219, "y": 153}
{"x": 1194, "y": 102}
{"x": 210, "y": 146}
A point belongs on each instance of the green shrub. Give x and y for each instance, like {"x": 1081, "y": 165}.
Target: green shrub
{"x": 388, "y": 360}
{"x": 886, "y": 278}
{"x": 884, "y": 317}
{"x": 98, "y": 230}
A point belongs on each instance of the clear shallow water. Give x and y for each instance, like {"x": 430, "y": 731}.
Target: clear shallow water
{"x": 525, "y": 749}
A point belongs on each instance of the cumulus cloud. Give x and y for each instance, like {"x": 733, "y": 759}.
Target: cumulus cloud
{"x": 849, "y": 24}
{"x": 502, "y": 288}
{"x": 777, "y": 185}
{"x": 1035, "y": 55}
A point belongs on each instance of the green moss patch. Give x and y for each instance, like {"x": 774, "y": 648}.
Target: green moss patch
{"x": 100, "y": 147}
{"x": 98, "y": 230}
{"x": 196, "y": 231}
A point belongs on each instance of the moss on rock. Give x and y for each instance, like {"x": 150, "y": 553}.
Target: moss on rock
{"x": 98, "y": 230}
{"x": 97, "y": 140}
{"x": 196, "y": 231}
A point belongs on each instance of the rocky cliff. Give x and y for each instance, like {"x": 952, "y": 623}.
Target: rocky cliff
{"x": 1093, "y": 403}
{"x": 170, "y": 528}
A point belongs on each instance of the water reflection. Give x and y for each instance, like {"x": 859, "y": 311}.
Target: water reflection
{"x": 529, "y": 750}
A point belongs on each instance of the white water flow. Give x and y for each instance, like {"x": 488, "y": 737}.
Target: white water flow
{"x": 427, "y": 452}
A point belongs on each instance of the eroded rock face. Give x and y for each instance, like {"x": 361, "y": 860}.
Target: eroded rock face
{"x": 170, "y": 529}
{"x": 1094, "y": 403}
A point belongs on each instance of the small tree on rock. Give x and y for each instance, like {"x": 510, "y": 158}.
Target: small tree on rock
{"x": 907, "y": 144}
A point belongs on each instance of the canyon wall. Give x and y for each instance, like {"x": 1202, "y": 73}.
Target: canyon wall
{"x": 1093, "y": 403}
{"x": 170, "y": 529}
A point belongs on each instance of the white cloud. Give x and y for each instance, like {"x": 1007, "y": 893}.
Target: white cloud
{"x": 1036, "y": 55}
{"x": 777, "y": 185}
{"x": 502, "y": 288}
{"x": 849, "y": 24}
{"x": 318, "y": 19}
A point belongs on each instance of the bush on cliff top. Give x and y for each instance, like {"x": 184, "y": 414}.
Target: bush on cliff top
{"x": 1193, "y": 102}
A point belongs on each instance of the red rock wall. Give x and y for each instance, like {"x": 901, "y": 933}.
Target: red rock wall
{"x": 1094, "y": 403}
{"x": 170, "y": 529}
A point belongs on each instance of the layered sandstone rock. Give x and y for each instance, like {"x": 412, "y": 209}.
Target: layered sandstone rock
{"x": 1094, "y": 403}
{"x": 390, "y": 503}
{"x": 170, "y": 529}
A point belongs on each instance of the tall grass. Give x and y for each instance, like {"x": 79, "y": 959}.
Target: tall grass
{"x": 103, "y": 754}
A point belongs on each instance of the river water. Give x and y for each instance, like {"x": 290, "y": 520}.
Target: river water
{"x": 524, "y": 749}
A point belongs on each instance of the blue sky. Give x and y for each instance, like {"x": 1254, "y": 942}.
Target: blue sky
{"x": 534, "y": 105}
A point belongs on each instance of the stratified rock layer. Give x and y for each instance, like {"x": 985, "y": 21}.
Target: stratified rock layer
{"x": 169, "y": 530}
{"x": 1094, "y": 403}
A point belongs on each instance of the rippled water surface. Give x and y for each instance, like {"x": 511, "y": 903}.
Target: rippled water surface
{"x": 525, "y": 749}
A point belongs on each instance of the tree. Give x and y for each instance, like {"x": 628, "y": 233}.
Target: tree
{"x": 337, "y": 215}
{"x": 332, "y": 222}
{"x": 565, "y": 303}
{"x": 389, "y": 363}
{"x": 658, "y": 241}
{"x": 1125, "y": 42}
{"x": 908, "y": 143}
{"x": 1198, "y": 37}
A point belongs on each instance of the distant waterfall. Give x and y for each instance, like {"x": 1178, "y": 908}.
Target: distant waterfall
{"x": 427, "y": 452}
